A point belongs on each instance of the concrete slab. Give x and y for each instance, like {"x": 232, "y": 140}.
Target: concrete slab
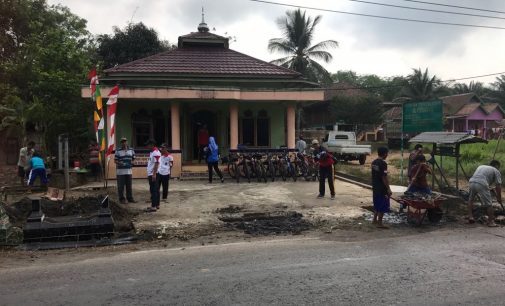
{"x": 192, "y": 204}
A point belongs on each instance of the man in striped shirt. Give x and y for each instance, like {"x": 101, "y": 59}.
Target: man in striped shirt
{"x": 124, "y": 159}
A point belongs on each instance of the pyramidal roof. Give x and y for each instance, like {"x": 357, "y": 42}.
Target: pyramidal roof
{"x": 204, "y": 54}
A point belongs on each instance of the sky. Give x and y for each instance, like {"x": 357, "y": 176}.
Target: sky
{"x": 366, "y": 45}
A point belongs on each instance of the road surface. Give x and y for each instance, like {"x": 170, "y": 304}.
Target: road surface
{"x": 444, "y": 267}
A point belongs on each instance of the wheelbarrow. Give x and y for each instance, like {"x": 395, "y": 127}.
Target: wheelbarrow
{"x": 420, "y": 208}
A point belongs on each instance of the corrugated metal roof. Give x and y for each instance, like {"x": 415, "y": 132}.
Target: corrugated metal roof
{"x": 446, "y": 138}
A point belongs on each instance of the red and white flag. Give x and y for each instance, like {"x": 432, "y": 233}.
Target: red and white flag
{"x": 93, "y": 81}
{"x": 111, "y": 115}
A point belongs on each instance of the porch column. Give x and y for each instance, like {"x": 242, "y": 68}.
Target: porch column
{"x": 466, "y": 124}
{"x": 176, "y": 126}
{"x": 290, "y": 124}
{"x": 453, "y": 124}
{"x": 233, "y": 126}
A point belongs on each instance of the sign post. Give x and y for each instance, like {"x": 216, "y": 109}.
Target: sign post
{"x": 423, "y": 116}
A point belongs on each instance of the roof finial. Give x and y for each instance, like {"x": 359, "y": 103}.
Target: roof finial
{"x": 202, "y": 27}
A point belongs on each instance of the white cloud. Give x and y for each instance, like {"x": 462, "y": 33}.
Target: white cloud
{"x": 367, "y": 45}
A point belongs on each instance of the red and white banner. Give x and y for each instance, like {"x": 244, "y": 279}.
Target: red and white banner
{"x": 111, "y": 115}
{"x": 93, "y": 81}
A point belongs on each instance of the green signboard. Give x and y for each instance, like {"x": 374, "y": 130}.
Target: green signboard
{"x": 423, "y": 116}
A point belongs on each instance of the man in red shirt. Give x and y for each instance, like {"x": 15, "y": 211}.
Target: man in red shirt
{"x": 203, "y": 141}
{"x": 326, "y": 161}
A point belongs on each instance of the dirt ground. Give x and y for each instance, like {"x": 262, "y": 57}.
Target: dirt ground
{"x": 201, "y": 213}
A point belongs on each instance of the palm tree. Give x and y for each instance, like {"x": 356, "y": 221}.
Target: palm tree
{"x": 298, "y": 31}
{"x": 472, "y": 87}
{"x": 422, "y": 87}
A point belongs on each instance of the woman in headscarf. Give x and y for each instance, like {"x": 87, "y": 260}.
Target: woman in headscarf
{"x": 212, "y": 151}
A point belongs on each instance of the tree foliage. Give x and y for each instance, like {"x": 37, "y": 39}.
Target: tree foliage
{"x": 131, "y": 43}
{"x": 421, "y": 86}
{"x": 46, "y": 60}
{"x": 296, "y": 44}
{"x": 356, "y": 110}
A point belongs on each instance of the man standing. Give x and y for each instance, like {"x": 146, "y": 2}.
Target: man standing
{"x": 301, "y": 145}
{"x": 325, "y": 160}
{"x": 25, "y": 154}
{"x": 380, "y": 186}
{"x": 152, "y": 170}
{"x": 484, "y": 177}
{"x": 124, "y": 158}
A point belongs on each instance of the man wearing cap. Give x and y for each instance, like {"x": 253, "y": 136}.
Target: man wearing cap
{"x": 152, "y": 169}
{"x": 326, "y": 161}
{"x": 124, "y": 158}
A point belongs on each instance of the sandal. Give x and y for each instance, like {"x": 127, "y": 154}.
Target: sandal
{"x": 150, "y": 209}
{"x": 492, "y": 224}
{"x": 471, "y": 220}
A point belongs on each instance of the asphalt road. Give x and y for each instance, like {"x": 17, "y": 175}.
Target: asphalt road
{"x": 445, "y": 267}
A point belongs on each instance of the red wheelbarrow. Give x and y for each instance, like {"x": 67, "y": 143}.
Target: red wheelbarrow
{"x": 419, "y": 208}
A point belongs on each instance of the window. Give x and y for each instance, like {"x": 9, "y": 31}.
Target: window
{"x": 255, "y": 131}
{"x": 146, "y": 126}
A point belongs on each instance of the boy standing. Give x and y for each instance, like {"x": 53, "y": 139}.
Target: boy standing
{"x": 37, "y": 169}
{"x": 380, "y": 186}
{"x": 152, "y": 169}
{"x": 166, "y": 163}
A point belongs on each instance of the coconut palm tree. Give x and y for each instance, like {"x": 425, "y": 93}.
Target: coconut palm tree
{"x": 298, "y": 31}
{"x": 474, "y": 87}
{"x": 422, "y": 87}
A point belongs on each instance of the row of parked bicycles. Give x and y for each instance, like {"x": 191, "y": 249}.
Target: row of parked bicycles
{"x": 265, "y": 166}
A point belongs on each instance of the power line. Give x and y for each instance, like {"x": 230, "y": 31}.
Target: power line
{"x": 457, "y": 6}
{"x": 381, "y": 17}
{"x": 427, "y": 10}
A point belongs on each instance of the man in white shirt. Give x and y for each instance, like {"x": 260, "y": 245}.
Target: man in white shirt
{"x": 166, "y": 163}
{"x": 152, "y": 169}
{"x": 301, "y": 145}
{"x": 480, "y": 183}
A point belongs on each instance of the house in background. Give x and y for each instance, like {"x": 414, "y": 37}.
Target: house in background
{"x": 170, "y": 95}
{"x": 469, "y": 113}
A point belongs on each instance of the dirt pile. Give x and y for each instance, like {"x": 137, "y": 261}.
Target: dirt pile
{"x": 263, "y": 223}
{"x": 82, "y": 207}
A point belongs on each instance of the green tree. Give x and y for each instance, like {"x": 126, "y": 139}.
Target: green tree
{"x": 356, "y": 110}
{"x": 497, "y": 94}
{"x": 472, "y": 87}
{"x": 298, "y": 31}
{"x": 48, "y": 58}
{"x": 421, "y": 86}
{"x": 125, "y": 45}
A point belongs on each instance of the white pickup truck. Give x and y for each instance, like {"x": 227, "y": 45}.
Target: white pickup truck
{"x": 343, "y": 146}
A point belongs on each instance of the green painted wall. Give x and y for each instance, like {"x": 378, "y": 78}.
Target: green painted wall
{"x": 276, "y": 112}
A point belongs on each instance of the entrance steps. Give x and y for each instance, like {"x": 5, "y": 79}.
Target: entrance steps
{"x": 200, "y": 172}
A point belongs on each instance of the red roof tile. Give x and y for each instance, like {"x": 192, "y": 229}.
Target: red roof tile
{"x": 205, "y": 61}
{"x": 467, "y": 109}
{"x": 454, "y": 103}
